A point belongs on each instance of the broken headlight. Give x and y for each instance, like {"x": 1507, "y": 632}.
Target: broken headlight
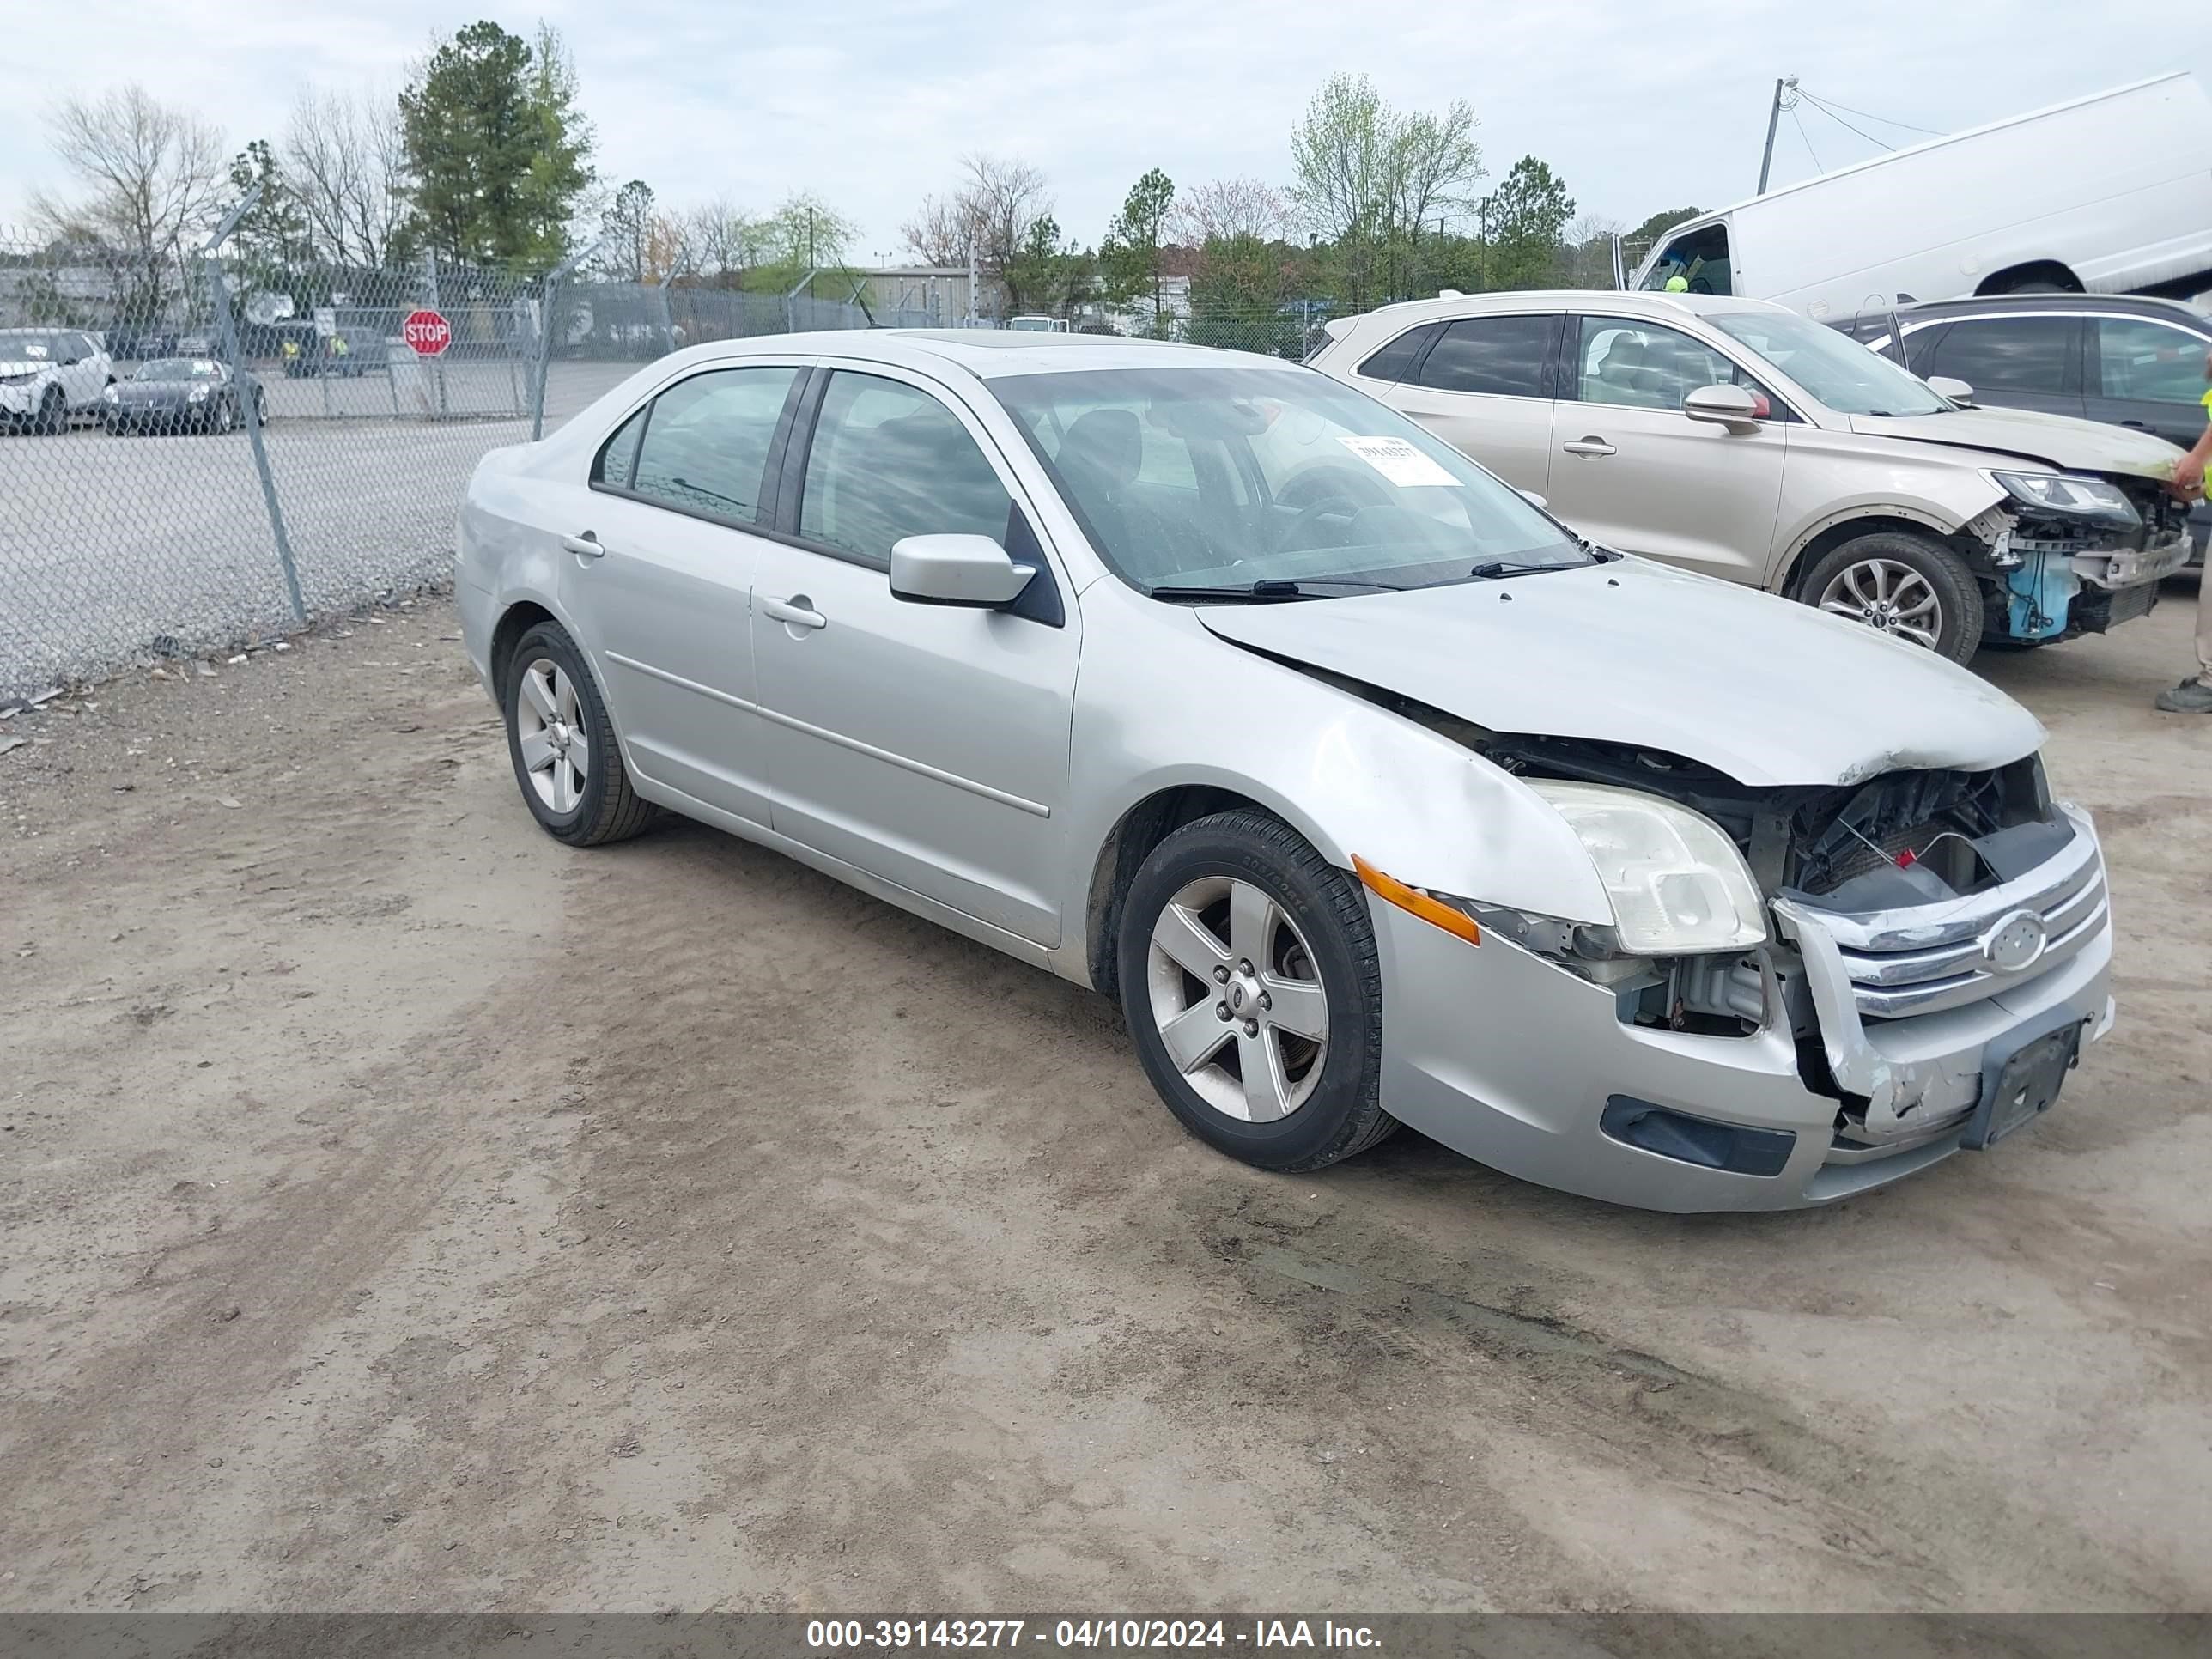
{"x": 2067, "y": 493}
{"x": 1677, "y": 883}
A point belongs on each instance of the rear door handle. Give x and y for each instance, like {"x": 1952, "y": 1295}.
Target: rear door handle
{"x": 2140, "y": 426}
{"x": 797, "y": 610}
{"x": 1589, "y": 446}
{"x": 585, "y": 546}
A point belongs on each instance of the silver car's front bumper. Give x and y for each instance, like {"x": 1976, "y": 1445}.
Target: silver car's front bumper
{"x": 1504, "y": 1056}
{"x": 2136, "y": 567}
{"x": 21, "y": 399}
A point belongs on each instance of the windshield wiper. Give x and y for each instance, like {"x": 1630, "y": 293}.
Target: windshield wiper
{"x": 1262, "y": 591}
{"x": 1490, "y": 567}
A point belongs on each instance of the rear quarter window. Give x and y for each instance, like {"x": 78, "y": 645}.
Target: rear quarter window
{"x": 1396, "y": 361}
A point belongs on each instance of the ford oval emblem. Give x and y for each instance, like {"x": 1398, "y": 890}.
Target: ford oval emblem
{"x": 2015, "y": 942}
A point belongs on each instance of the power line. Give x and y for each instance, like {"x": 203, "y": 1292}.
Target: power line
{"x": 1880, "y": 121}
{"x": 1842, "y": 122}
{"x": 1798, "y": 122}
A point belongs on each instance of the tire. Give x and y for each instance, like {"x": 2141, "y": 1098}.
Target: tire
{"x": 1314, "y": 929}
{"x": 604, "y": 808}
{"x": 53, "y": 414}
{"x": 1902, "y": 571}
{"x": 220, "y": 418}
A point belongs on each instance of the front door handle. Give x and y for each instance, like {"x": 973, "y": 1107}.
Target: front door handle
{"x": 585, "y": 546}
{"x": 2140, "y": 426}
{"x": 1592, "y": 444}
{"x": 797, "y": 610}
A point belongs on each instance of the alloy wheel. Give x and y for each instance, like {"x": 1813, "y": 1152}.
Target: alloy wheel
{"x": 1237, "y": 999}
{"x": 549, "y": 726}
{"x": 1889, "y": 597}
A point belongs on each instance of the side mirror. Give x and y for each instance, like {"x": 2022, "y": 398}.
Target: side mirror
{"x": 1534, "y": 499}
{"x": 964, "y": 570}
{"x": 1730, "y": 406}
{"x": 1957, "y": 391}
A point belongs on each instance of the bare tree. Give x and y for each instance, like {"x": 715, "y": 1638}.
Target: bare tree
{"x": 990, "y": 216}
{"x": 1227, "y": 208}
{"x": 345, "y": 156}
{"x": 941, "y": 233}
{"x": 725, "y": 240}
{"x": 152, "y": 174}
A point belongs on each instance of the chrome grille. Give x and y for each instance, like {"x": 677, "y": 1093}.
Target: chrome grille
{"x": 1939, "y": 956}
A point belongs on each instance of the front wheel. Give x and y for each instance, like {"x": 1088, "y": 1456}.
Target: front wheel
{"x": 562, "y": 744}
{"x": 1905, "y": 586}
{"x": 1253, "y": 991}
{"x": 53, "y": 414}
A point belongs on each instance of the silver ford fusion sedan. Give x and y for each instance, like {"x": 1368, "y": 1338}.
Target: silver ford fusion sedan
{"x": 1374, "y": 793}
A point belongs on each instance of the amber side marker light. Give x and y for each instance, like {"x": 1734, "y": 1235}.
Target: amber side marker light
{"x": 1414, "y": 902}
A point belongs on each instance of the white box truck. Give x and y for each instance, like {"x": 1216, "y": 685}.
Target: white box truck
{"x": 2109, "y": 194}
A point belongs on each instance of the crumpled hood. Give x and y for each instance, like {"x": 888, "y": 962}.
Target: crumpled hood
{"x": 1767, "y": 690}
{"x": 2057, "y": 442}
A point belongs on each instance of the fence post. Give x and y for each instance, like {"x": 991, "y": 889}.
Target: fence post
{"x": 212, "y": 263}
{"x": 438, "y": 362}
{"x": 547, "y": 301}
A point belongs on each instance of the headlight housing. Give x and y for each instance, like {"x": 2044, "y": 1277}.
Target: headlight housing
{"x": 2069, "y": 493}
{"x": 1677, "y": 883}
{"x": 197, "y": 395}
{"x": 109, "y": 395}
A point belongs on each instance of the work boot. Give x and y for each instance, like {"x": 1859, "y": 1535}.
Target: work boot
{"x": 2189, "y": 698}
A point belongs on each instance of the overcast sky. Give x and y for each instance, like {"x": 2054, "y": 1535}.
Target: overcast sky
{"x": 1638, "y": 104}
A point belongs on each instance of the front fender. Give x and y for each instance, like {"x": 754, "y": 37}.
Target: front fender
{"x": 1162, "y": 704}
{"x": 1944, "y": 499}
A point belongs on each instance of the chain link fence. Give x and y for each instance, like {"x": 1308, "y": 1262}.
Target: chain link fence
{"x": 197, "y": 453}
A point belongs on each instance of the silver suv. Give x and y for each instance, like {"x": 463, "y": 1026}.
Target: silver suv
{"x": 1737, "y": 439}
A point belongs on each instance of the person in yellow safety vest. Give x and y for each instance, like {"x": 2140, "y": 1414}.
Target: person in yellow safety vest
{"x": 340, "y": 349}
{"x": 291, "y": 355}
{"x": 1678, "y": 283}
{"x": 2194, "y": 696}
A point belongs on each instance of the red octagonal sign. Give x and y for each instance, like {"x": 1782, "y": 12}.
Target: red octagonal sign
{"x": 427, "y": 332}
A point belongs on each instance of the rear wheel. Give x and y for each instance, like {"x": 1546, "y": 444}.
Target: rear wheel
{"x": 562, "y": 744}
{"x": 1902, "y": 585}
{"x": 1253, "y": 991}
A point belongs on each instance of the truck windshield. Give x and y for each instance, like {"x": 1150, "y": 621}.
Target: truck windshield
{"x": 1835, "y": 368}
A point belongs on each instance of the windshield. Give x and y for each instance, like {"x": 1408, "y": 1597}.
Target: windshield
{"x": 180, "y": 368}
{"x": 1835, "y": 368}
{"x": 26, "y": 345}
{"x": 1225, "y": 476}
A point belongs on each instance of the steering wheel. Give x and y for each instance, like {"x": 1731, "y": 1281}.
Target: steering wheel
{"x": 1336, "y": 493}
{"x": 1181, "y": 545}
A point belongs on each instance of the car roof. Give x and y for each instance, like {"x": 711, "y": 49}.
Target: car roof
{"x": 986, "y": 353}
{"x": 2133, "y": 304}
{"x": 1615, "y": 302}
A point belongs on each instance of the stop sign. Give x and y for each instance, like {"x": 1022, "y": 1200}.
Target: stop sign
{"x": 427, "y": 332}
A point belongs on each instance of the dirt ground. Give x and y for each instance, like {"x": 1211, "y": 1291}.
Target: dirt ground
{"x": 399, "y": 1211}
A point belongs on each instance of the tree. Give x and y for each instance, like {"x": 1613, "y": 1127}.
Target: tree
{"x": 1523, "y": 221}
{"x": 1369, "y": 178}
{"x": 941, "y": 232}
{"x": 1045, "y": 276}
{"x": 495, "y": 146}
{"x": 1130, "y": 258}
{"x": 345, "y": 156}
{"x": 273, "y": 233}
{"x": 1586, "y": 258}
{"x": 1658, "y": 224}
{"x": 152, "y": 177}
{"x": 626, "y": 231}
{"x": 989, "y": 218}
{"x": 1229, "y": 208}
{"x": 151, "y": 173}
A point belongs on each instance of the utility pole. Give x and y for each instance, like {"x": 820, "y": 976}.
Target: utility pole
{"x": 1773, "y": 118}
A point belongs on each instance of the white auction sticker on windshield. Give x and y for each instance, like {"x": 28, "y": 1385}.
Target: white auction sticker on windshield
{"x": 1398, "y": 461}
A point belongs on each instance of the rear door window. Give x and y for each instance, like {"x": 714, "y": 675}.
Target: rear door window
{"x": 2008, "y": 354}
{"x": 1501, "y": 356}
{"x": 707, "y": 441}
